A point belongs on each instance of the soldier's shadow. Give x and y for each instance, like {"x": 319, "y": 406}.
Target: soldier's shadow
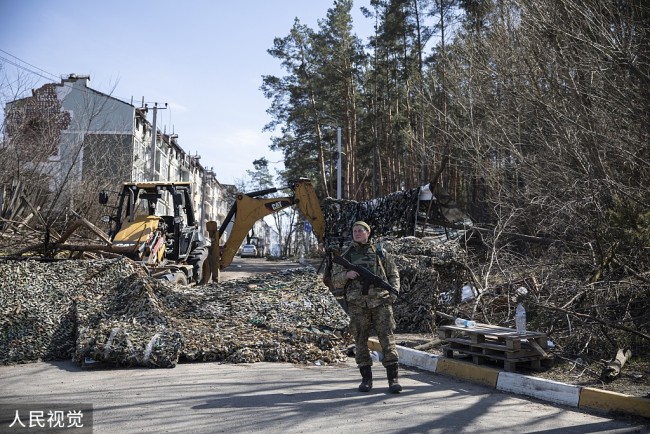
{"x": 309, "y": 401}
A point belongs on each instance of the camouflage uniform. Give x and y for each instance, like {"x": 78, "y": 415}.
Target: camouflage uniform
{"x": 372, "y": 309}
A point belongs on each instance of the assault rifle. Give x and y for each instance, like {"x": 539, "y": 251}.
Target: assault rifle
{"x": 367, "y": 276}
{"x": 371, "y": 278}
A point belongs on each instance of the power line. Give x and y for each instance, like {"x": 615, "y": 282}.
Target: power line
{"x": 56, "y": 78}
{"x": 49, "y": 76}
{"x": 4, "y": 59}
{"x": 27, "y": 63}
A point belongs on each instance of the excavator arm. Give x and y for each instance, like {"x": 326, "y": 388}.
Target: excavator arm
{"x": 249, "y": 208}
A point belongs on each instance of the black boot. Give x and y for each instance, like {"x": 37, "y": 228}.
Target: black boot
{"x": 366, "y": 379}
{"x": 393, "y": 385}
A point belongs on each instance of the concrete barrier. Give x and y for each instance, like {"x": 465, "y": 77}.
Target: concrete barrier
{"x": 586, "y": 398}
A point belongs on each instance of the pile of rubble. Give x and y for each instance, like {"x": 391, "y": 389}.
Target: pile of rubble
{"x": 111, "y": 311}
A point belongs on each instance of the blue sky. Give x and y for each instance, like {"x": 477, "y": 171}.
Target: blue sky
{"x": 205, "y": 59}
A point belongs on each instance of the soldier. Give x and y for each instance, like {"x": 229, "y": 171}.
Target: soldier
{"x": 370, "y": 306}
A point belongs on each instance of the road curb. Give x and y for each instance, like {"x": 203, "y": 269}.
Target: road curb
{"x": 468, "y": 371}
{"x": 612, "y": 402}
{"x": 540, "y": 388}
{"x": 585, "y": 398}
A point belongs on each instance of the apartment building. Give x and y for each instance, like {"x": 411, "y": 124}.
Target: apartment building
{"x": 74, "y": 135}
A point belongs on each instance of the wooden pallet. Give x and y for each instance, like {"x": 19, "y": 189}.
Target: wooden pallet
{"x": 491, "y": 343}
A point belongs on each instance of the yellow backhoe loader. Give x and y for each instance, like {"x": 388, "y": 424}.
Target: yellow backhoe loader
{"x": 170, "y": 245}
{"x": 249, "y": 208}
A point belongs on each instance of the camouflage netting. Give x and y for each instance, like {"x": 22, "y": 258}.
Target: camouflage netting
{"x": 428, "y": 270}
{"x": 393, "y": 214}
{"x": 111, "y": 311}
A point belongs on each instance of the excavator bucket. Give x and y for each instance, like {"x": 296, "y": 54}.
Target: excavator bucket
{"x": 250, "y": 207}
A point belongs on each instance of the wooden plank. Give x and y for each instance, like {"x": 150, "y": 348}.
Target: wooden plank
{"x": 490, "y": 330}
{"x": 490, "y": 344}
{"x": 477, "y": 338}
{"x": 464, "y": 341}
{"x": 485, "y": 343}
{"x": 494, "y": 351}
{"x": 538, "y": 348}
{"x": 510, "y": 365}
{"x": 542, "y": 342}
{"x": 514, "y": 355}
{"x": 495, "y": 356}
{"x": 513, "y": 344}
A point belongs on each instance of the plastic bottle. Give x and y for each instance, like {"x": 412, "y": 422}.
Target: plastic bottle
{"x": 460, "y": 322}
{"x": 520, "y": 319}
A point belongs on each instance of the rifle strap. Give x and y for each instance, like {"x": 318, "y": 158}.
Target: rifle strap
{"x": 380, "y": 262}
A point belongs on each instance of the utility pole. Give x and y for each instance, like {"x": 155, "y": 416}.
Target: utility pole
{"x": 154, "y": 138}
{"x": 339, "y": 160}
{"x": 338, "y": 164}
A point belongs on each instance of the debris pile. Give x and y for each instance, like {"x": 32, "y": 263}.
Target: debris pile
{"x": 111, "y": 311}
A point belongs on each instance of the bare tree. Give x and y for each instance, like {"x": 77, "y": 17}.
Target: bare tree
{"x": 57, "y": 163}
{"x": 549, "y": 125}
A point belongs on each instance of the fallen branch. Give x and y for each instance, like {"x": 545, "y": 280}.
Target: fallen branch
{"x": 443, "y": 315}
{"x": 593, "y": 318}
{"x": 432, "y": 343}
{"x": 80, "y": 222}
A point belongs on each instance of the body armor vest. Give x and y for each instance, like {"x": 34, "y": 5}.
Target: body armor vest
{"x": 365, "y": 256}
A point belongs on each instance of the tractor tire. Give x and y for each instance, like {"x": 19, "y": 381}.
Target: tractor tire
{"x": 180, "y": 278}
{"x": 198, "y": 259}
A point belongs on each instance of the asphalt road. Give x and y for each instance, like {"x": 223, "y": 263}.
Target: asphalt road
{"x": 243, "y": 267}
{"x": 278, "y": 397}
{"x": 274, "y": 398}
